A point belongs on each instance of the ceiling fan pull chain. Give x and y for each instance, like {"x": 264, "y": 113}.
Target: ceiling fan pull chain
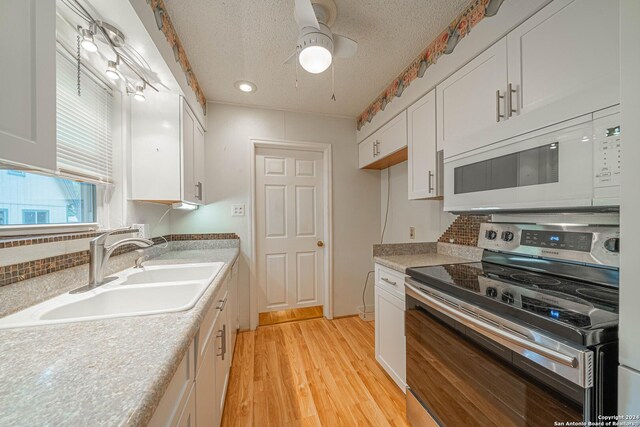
{"x": 78, "y": 58}
{"x": 296, "y": 60}
{"x": 333, "y": 82}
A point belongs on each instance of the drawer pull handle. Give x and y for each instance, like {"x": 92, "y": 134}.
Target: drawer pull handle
{"x": 389, "y": 282}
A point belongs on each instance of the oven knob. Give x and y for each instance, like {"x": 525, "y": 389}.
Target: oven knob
{"x": 490, "y": 234}
{"x": 612, "y": 245}
{"x": 507, "y": 236}
{"x": 508, "y": 297}
{"x": 492, "y": 292}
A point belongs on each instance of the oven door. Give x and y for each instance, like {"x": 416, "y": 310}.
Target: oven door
{"x": 461, "y": 376}
{"x": 549, "y": 168}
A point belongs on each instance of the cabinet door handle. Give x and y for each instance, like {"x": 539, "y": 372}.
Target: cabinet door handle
{"x": 224, "y": 340}
{"x": 388, "y": 282}
{"x": 498, "y": 98}
{"x": 199, "y": 193}
{"x": 223, "y": 303}
{"x": 430, "y": 182}
{"x": 220, "y": 335}
{"x": 510, "y": 92}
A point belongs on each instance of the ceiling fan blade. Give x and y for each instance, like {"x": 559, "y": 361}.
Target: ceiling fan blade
{"x": 344, "y": 47}
{"x": 292, "y": 58}
{"x": 305, "y": 15}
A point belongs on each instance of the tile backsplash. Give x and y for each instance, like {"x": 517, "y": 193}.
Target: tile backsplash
{"x": 464, "y": 230}
{"x": 19, "y": 271}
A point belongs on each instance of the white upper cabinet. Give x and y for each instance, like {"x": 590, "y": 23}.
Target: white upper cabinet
{"x": 472, "y": 99}
{"x": 28, "y": 82}
{"x": 565, "y": 60}
{"x": 167, "y": 151}
{"x": 421, "y": 138}
{"x": 560, "y": 64}
{"x": 385, "y": 147}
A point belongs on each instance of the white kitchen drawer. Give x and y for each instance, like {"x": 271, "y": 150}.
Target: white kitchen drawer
{"x": 176, "y": 396}
{"x": 390, "y": 280}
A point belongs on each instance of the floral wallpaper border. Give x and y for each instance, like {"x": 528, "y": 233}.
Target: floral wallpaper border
{"x": 445, "y": 43}
{"x": 164, "y": 24}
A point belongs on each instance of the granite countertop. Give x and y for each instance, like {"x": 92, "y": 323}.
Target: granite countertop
{"x": 402, "y": 262}
{"x": 102, "y": 372}
{"x": 400, "y": 256}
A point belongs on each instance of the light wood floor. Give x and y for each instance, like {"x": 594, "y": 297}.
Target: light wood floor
{"x": 311, "y": 373}
{"x": 292, "y": 315}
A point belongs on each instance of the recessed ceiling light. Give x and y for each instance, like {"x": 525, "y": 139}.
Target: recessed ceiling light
{"x": 246, "y": 86}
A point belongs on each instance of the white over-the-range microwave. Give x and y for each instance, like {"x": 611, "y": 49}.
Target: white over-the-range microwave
{"x": 573, "y": 165}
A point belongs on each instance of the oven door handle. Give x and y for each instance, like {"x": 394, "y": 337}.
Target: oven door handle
{"x": 485, "y": 328}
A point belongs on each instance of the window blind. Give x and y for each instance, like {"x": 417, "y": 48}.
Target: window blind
{"x": 83, "y": 122}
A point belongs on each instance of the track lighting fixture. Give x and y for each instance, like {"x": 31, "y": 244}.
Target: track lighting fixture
{"x": 87, "y": 40}
{"x": 139, "y": 93}
{"x": 112, "y": 70}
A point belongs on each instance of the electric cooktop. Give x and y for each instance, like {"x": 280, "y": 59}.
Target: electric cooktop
{"x": 570, "y": 308}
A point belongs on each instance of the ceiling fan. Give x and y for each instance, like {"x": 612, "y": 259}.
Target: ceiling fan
{"x": 317, "y": 45}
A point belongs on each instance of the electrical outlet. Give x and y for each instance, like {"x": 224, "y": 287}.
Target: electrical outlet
{"x": 237, "y": 210}
{"x": 144, "y": 230}
{"x": 412, "y": 233}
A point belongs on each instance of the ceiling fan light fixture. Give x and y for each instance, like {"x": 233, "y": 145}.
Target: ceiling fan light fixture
{"x": 88, "y": 43}
{"x": 315, "y": 59}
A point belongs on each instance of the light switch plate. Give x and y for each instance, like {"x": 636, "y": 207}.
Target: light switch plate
{"x": 237, "y": 210}
{"x": 412, "y": 233}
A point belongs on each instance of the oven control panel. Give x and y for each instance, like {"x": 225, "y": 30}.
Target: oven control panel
{"x": 594, "y": 245}
{"x": 573, "y": 241}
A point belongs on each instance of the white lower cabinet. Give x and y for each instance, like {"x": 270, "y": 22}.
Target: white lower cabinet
{"x": 206, "y": 414}
{"x": 175, "y": 399}
{"x": 188, "y": 417}
{"x": 196, "y": 394}
{"x": 389, "y": 324}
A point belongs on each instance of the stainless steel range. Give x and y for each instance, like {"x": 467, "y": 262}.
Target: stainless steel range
{"x": 528, "y": 336}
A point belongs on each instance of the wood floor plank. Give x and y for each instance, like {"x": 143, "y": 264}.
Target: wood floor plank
{"x": 291, "y": 315}
{"x": 311, "y": 373}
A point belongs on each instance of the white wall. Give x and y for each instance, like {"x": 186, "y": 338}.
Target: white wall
{"x": 427, "y": 216}
{"x": 629, "y": 389}
{"x": 356, "y": 193}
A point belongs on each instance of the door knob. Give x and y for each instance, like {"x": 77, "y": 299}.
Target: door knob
{"x": 320, "y": 243}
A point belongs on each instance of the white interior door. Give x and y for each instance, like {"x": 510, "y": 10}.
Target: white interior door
{"x": 289, "y": 228}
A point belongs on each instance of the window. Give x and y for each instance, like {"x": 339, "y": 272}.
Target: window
{"x": 35, "y": 217}
{"x": 29, "y": 199}
{"x": 83, "y": 121}
{"x": 84, "y": 153}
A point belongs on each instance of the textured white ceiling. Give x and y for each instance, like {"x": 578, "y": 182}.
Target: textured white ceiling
{"x": 230, "y": 40}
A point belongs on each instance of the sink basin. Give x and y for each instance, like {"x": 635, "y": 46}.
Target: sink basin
{"x": 129, "y": 301}
{"x": 163, "y": 274}
{"x": 134, "y": 292}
